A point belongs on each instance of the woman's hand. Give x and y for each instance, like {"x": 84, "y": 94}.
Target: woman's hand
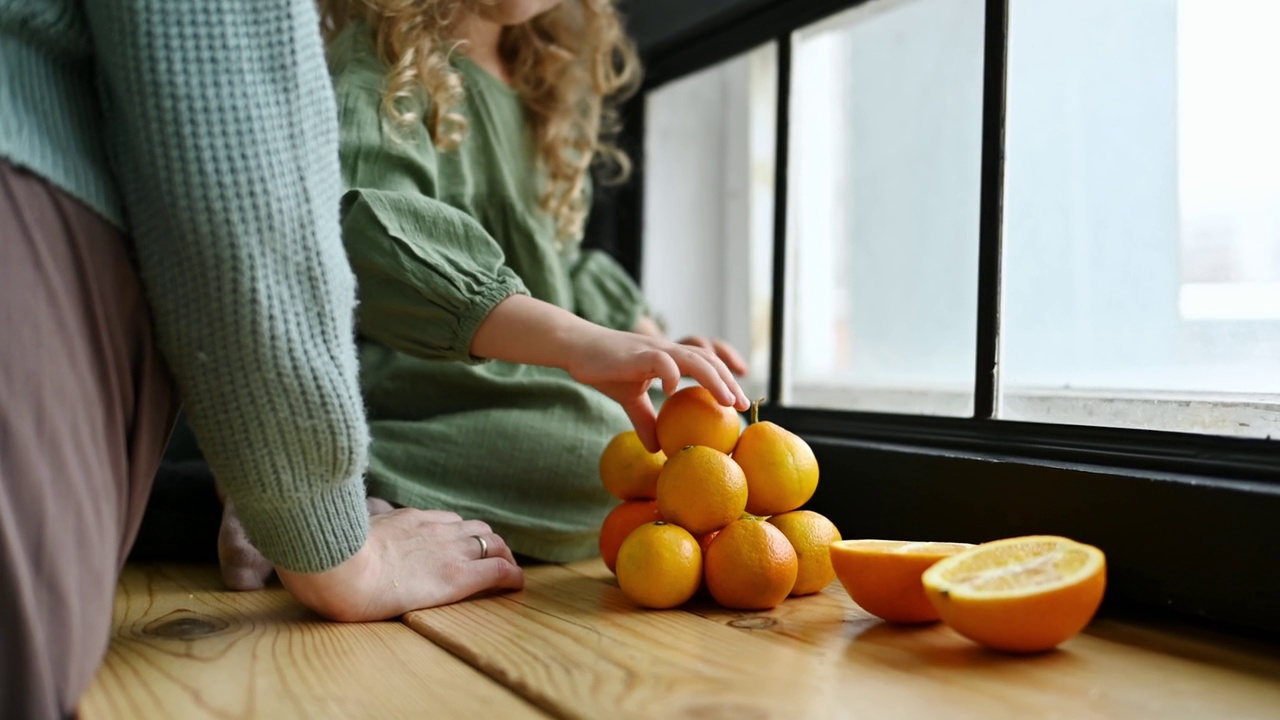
{"x": 243, "y": 566}
{"x": 413, "y": 559}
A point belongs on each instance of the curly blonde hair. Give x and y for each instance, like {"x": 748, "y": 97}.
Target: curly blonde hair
{"x": 571, "y": 67}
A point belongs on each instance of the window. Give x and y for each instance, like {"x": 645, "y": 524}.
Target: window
{"x": 1142, "y": 215}
{"x": 708, "y": 212}
{"x": 885, "y": 140}
{"x": 1009, "y": 266}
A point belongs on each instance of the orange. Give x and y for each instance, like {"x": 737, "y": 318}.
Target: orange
{"x": 659, "y": 565}
{"x": 883, "y": 576}
{"x": 810, "y": 534}
{"x": 628, "y": 470}
{"x": 750, "y": 566}
{"x": 693, "y": 416}
{"x": 781, "y": 470}
{"x": 701, "y": 489}
{"x": 1020, "y": 595}
{"x": 704, "y": 542}
{"x": 619, "y": 523}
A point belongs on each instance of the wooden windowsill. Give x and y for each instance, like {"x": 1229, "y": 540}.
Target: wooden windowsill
{"x": 571, "y": 645}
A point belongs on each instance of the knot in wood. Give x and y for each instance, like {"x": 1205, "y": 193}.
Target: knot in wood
{"x": 755, "y": 622}
{"x": 724, "y": 711}
{"x": 185, "y": 626}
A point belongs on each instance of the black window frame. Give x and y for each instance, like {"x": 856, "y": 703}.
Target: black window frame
{"x": 1190, "y": 523}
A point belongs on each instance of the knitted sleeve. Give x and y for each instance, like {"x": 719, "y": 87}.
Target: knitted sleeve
{"x": 222, "y": 125}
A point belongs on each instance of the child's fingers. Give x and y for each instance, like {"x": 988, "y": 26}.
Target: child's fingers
{"x": 666, "y": 369}
{"x": 711, "y": 372}
{"x": 730, "y": 356}
{"x": 640, "y": 411}
{"x": 698, "y": 341}
{"x": 720, "y": 349}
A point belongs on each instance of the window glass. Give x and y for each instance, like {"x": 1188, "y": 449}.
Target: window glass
{"x": 1141, "y": 262}
{"x": 885, "y": 172}
{"x": 707, "y": 264}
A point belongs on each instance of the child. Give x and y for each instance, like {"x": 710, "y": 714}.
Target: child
{"x": 466, "y": 132}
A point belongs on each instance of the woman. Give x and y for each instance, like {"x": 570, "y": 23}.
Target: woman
{"x": 219, "y": 119}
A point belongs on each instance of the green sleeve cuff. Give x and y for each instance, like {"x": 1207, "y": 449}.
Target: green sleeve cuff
{"x": 428, "y": 275}
{"x": 310, "y": 533}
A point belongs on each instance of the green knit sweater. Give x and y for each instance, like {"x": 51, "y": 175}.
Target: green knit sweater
{"x": 218, "y": 118}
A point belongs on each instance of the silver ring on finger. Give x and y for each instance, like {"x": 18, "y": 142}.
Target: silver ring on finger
{"x": 484, "y": 546}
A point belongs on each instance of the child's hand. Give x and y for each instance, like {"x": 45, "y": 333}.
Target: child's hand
{"x": 722, "y": 350}
{"x": 648, "y": 326}
{"x": 619, "y": 364}
{"x": 622, "y": 365}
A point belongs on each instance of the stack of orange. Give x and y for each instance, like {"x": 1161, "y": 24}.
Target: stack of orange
{"x": 716, "y": 507}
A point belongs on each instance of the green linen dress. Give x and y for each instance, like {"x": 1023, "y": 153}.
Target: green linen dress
{"x": 437, "y": 239}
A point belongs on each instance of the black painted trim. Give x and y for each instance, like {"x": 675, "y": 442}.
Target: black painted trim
{"x": 741, "y": 33}
{"x": 1218, "y": 456}
{"x": 986, "y": 369}
{"x": 781, "y": 157}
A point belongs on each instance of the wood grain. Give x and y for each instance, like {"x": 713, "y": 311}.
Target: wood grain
{"x": 182, "y": 648}
{"x": 572, "y": 644}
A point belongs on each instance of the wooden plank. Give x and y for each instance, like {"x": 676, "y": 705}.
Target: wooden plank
{"x": 574, "y": 645}
{"x": 182, "y": 647}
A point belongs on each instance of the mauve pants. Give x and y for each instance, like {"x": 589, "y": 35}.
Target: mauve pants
{"x": 86, "y": 405}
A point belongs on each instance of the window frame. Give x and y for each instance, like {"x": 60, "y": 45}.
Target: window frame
{"x": 1190, "y": 523}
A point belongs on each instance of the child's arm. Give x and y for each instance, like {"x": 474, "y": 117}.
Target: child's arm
{"x": 619, "y": 364}
{"x": 608, "y": 296}
{"x": 435, "y": 284}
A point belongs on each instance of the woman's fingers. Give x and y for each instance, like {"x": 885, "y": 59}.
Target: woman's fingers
{"x": 494, "y": 547}
{"x": 435, "y": 516}
{"x": 491, "y": 573}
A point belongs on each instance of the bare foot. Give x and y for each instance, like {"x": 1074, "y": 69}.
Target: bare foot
{"x": 243, "y": 567}
{"x": 378, "y": 506}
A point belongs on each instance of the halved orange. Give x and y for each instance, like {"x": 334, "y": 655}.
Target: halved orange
{"x": 883, "y": 576}
{"x": 1021, "y": 595}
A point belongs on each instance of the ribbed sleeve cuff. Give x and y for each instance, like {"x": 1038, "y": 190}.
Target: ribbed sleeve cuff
{"x": 312, "y": 533}
{"x": 481, "y": 304}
